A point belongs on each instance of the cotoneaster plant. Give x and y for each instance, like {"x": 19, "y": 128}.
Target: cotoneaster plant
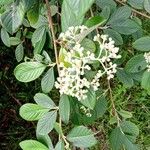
{"x": 86, "y": 55}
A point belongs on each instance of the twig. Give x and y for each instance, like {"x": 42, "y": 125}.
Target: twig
{"x": 50, "y": 21}
{"x": 11, "y": 95}
{"x": 134, "y": 10}
{"x": 113, "y": 104}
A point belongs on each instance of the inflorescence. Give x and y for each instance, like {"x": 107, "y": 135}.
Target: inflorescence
{"x": 77, "y": 61}
{"x": 147, "y": 59}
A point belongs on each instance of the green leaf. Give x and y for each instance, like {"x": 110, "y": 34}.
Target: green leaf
{"x": 105, "y": 13}
{"x": 12, "y": 19}
{"x": 124, "y": 135}
{"x": 73, "y": 12}
{"x": 121, "y": 14}
{"x": 125, "y": 114}
{"x": 58, "y": 129}
{"x": 142, "y": 44}
{"x": 109, "y": 3}
{"x": 125, "y": 78}
{"x": 136, "y": 64}
{"x": 60, "y": 145}
{"x": 81, "y": 137}
{"x": 5, "y": 37}
{"x": 146, "y": 81}
{"x": 33, "y": 14}
{"x": 90, "y": 101}
{"x": 115, "y": 36}
{"x": 14, "y": 41}
{"x": 45, "y": 139}
{"x": 39, "y": 45}
{"x": 38, "y": 35}
{"x": 126, "y": 27}
{"x": 29, "y": 3}
{"x": 32, "y": 112}
{"x": 136, "y": 4}
{"x": 88, "y": 45}
{"x": 147, "y": 5}
{"x": 29, "y": 71}
{"x": 48, "y": 81}
{"x": 44, "y": 101}
{"x": 93, "y": 21}
{"x": 64, "y": 108}
{"x": 6, "y": 2}
{"x": 19, "y": 52}
{"x": 32, "y": 145}
{"x": 46, "y": 123}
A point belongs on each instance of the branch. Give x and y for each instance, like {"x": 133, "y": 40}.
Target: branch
{"x": 134, "y": 10}
{"x": 50, "y": 21}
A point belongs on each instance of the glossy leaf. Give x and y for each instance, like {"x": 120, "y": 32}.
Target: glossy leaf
{"x": 32, "y": 112}
{"x": 29, "y": 71}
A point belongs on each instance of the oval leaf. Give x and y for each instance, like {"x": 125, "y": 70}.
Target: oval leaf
{"x": 81, "y": 137}
{"x": 32, "y": 112}
{"x": 29, "y": 71}
{"x": 19, "y": 52}
{"x": 64, "y": 108}
{"x": 32, "y": 145}
{"x": 46, "y": 123}
{"x": 44, "y": 101}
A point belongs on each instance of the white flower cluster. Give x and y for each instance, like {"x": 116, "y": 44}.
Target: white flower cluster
{"x": 71, "y": 80}
{"x": 86, "y": 111}
{"x": 147, "y": 59}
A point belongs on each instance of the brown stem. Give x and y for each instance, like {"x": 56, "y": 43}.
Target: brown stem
{"x": 50, "y": 21}
{"x": 134, "y": 10}
{"x": 114, "y": 111}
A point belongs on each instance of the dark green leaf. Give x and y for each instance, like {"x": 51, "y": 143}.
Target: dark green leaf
{"x": 126, "y": 27}
{"x": 125, "y": 78}
{"x": 115, "y": 36}
{"x": 138, "y": 4}
{"x": 136, "y": 64}
{"x": 146, "y": 81}
{"x": 142, "y": 44}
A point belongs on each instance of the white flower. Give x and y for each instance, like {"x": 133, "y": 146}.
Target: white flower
{"x": 71, "y": 80}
